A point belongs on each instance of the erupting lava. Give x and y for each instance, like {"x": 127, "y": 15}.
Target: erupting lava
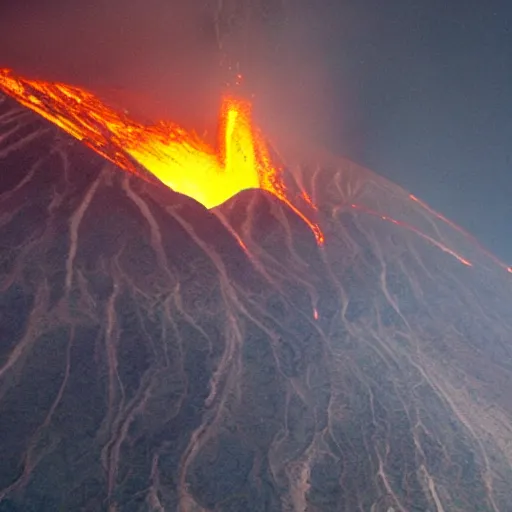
{"x": 178, "y": 158}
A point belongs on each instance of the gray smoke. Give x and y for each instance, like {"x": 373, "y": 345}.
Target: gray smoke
{"x": 172, "y": 59}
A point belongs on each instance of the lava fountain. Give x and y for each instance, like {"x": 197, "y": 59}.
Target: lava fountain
{"x": 178, "y": 158}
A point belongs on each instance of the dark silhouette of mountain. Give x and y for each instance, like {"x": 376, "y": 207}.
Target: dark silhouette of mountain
{"x": 155, "y": 355}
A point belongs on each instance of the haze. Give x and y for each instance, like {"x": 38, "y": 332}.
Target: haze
{"x": 173, "y": 59}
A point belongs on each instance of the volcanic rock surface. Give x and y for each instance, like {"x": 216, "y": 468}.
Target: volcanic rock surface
{"x": 158, "y": 356}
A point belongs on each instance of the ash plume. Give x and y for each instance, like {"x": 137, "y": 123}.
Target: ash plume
{"x": 171, "y": 60}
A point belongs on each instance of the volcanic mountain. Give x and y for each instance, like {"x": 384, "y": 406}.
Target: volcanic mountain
{"x": 157, "y": 355}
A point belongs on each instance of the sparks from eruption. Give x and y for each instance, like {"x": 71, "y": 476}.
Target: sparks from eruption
{"x": 177, "y": 157}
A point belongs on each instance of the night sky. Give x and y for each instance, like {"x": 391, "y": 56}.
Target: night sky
{"x": 431, "y": 109}
{"x": 418, "y": 91}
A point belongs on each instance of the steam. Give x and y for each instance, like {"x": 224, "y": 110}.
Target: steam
{"x": 171, "y": 59}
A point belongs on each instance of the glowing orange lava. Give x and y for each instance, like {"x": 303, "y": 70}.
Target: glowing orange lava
{"x": 404, "y": 225}
{"x": 178, "y": 158}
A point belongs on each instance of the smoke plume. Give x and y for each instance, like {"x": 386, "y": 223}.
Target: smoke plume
{"x": 172, "y": 59}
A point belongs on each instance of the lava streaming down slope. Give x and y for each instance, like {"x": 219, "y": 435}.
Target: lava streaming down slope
{"x": 177, "y": 157}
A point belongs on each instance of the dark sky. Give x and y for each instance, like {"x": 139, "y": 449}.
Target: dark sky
{"x": 419, "y": 91}
{"x": 431, "y": 103}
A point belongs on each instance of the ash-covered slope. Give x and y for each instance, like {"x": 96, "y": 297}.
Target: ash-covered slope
{"x": 158, "y": 356}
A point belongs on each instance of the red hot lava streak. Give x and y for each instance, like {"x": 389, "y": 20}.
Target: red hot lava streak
{"x": 178, "y": 158}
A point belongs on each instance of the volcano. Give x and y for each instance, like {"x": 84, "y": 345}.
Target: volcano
{"x": 159, "y": 355}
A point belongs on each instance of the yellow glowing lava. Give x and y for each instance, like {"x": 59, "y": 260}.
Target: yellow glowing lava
{"x": 178, "y": 158}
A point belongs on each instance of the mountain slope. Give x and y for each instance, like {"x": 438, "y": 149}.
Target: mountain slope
{"x": 155, "y": 355}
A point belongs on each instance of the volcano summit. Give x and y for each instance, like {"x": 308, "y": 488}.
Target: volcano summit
{"x": 157, "y": 355}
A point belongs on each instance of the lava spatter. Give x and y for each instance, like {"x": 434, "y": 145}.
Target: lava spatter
{"x": 178, "y": 158}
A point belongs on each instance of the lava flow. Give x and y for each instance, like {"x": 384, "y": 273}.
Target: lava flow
{"x": 178, "y": 158}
